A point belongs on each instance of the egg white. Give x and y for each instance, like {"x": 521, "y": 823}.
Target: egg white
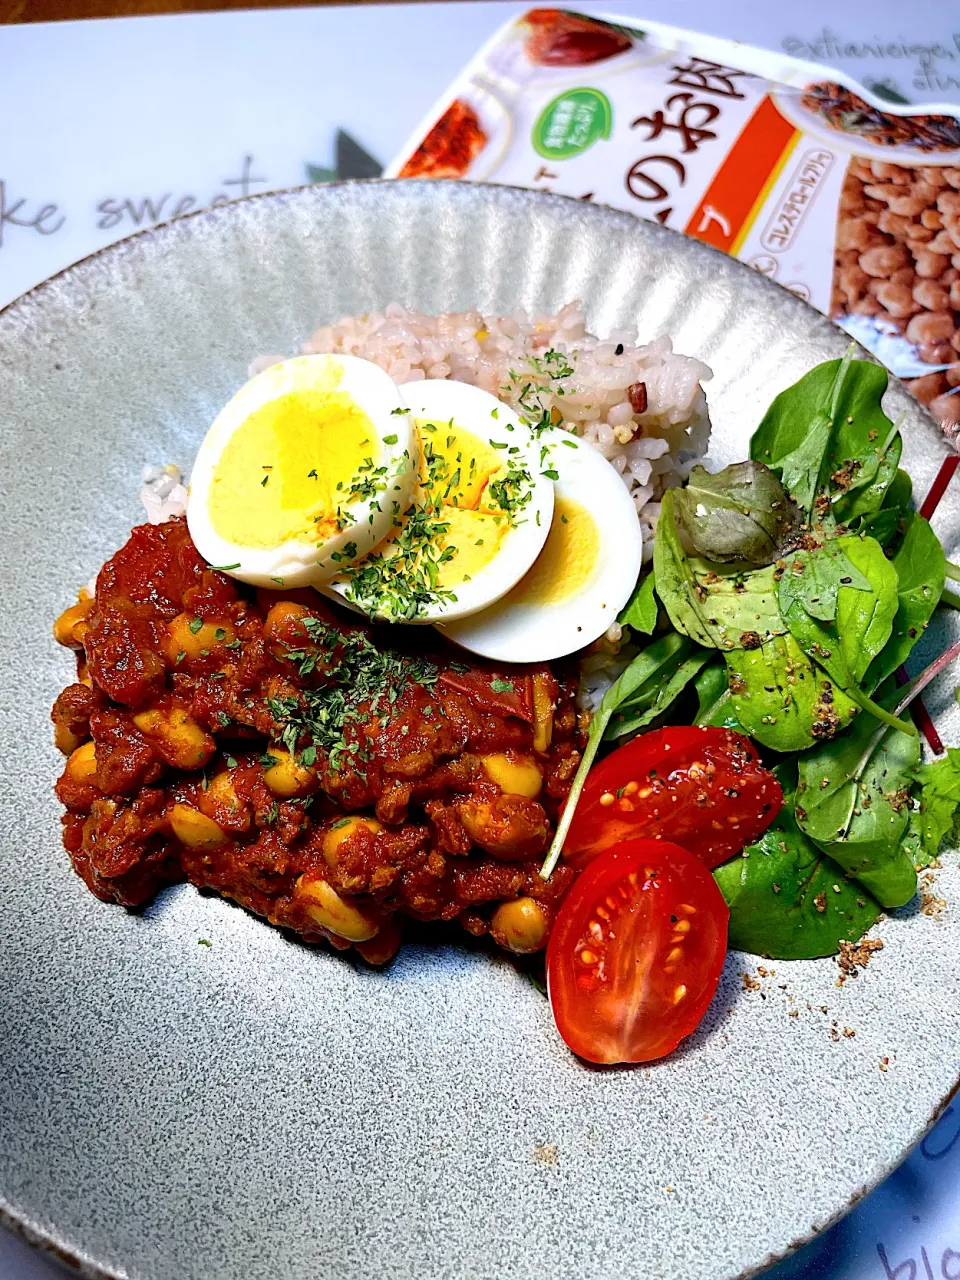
{"x": 302, "y": 562}
{"x": 536, "y": 630}
{"x": 494, "y": 423}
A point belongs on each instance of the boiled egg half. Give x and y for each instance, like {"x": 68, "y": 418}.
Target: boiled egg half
{"x": 304, "y": 468}
{"x": 583, "y": 576}
{"x": 478, "y": 518}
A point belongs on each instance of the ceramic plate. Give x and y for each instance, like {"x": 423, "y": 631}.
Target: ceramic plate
{"x": 258, "y": 1108}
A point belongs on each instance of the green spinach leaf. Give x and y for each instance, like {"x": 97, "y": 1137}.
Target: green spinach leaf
{"x": 920, "y": 568}
{"x": 939, "y": 801}
{"x": 853, "y": 801}
{"x": 719, "y": 607}
{"x": 866, "y": 447}
{"x": 789, "y": 901}
{"x": 828, "y": 434}
{"x": 713, "y": 695}
{"x": 863, "y": 620}
{"x": 738, "y": 514}
{"x": 813, "y": 579}
{"x": 884, "y": 525}
{"x": 899, "y": 497}
{"x": 794, "y": 436}
{"x": 640, "y": 611}
{"x": 658, "y": 676}
{"x": 782, "y": 699}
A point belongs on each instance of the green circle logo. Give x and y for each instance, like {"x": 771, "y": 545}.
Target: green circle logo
{"x": 571, "y": 123}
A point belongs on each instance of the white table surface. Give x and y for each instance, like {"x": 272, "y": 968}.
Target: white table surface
{"x": 109, "y": 125}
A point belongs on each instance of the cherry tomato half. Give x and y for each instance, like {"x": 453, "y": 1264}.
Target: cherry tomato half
{"x": 636, "y": 952}
{"x": 704, "y": 788}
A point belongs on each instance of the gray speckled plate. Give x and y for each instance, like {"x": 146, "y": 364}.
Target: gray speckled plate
{"x": 256, "y": 1108}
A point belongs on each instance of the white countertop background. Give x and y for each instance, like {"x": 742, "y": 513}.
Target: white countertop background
{"x": 110, "y": 125}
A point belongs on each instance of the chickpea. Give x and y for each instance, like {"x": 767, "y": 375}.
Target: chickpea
{"x": 933, "y": 177}
{"x": 82, "y": 765}
{"x": 854, "y": 233}
{"x": 948, "y": 202}
{"x": 885, "y": 171}
{"x": 851, "y": 200}
{"x": 326, "y": 908}
{"x": 919, "y": 234}
{"x": 955, "y": 295}
{"x": 932, "y": 326}
{"x": 185, "y": 637}
{"x": 896, "y": 299}
{"x": 944, "y": 242}
{"x": 220, "y": 801}
{"x": 521, "y": 926}
{"x": 853, "y": 280}
{"x": 909, "y": 205}
{"x": 928, "y": 387}
{"x": 384, "y": 946}
{"x": 176, "y": 736}
{"x": 883, "y": 260}
{"x": 281, "y": 621}
{"x": 931, "y": 296}
{"x": 513, "y": 772}
{"x": 287, "y": 778}
{"x": 929, "y": 265}
{"x": 341, "y": 831}
{"x": 867, "y": 306}
{"x": 932, "y": 218}
{"x": 70, "y": 628}
{"x": 64, "y": 739}
{"x": 935, "y": 352}
{"x": 510, "y": 827}
{"x": 195, "y": 829}
{"x": 906, "y": 275}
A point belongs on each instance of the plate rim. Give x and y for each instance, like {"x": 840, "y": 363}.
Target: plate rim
{"x": 45, "y": 1241}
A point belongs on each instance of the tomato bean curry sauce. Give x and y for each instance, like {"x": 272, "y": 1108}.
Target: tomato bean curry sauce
{"x": 335, "y": 778}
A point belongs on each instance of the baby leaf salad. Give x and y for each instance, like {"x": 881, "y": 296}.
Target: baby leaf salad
{"x": 769, "y": 794}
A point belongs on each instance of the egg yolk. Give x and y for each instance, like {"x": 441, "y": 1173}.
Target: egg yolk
{"x": 290, "y": 466}
{"x": 475, "y": 537}
{"x": 455, "y": 474}
{"x": 567, "y": 561}
{"x": 457, "y": 465}
{"x": 452, "y": 529}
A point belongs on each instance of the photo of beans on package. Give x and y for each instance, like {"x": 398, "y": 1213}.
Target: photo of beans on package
{"x": 850, "y": 202}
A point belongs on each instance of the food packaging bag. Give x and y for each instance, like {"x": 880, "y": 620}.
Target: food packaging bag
{"x": 850, "y": 202}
